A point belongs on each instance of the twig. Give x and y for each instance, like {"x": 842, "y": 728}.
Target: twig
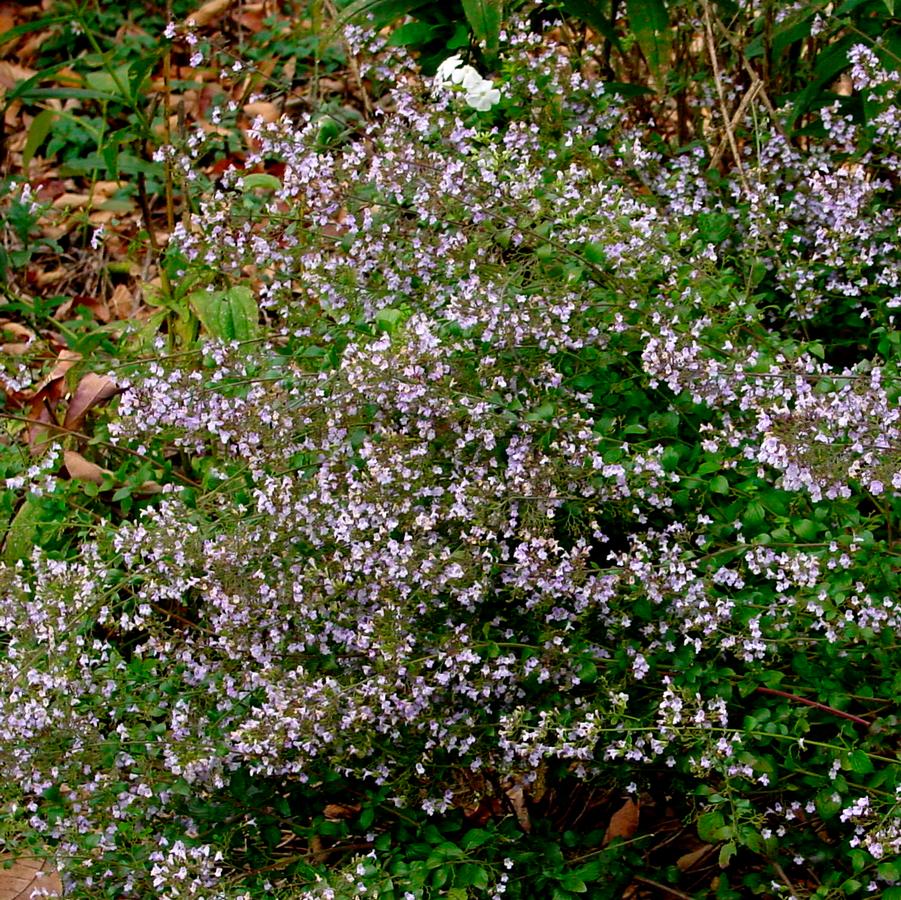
{"x": 662, "y": 887}
{"x": 737, "y": 116}
{"x": 52, "y": 426}
{"x": 352, "y": 62}
{"x": 724, "y": 110}
{"x": 822, "y": 706}
{"x": 783, "y": 877}
{"x": 771, "y": 109}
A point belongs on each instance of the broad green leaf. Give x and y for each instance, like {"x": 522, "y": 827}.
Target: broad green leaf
{"x": 475, "y": 837}
{"x": 260, "y": 180}
{"x": 383, "y": 12}
{"x": 387, "y": 319}
{"x": 806, "y": 529}
{"x": 727, "y": 851}
{"x": 719, "y": 485}
{"x": 484, "y": 17}
{"x": 709, "y": 825}
{"x": 573, "y": 883}
{"x": 412, "y": 34}
{"x": 859, "y": 762}
{"x": 591, "y": 871}
{"x": 596, "y": 15}
{"x": 649, "y": 22}
{"x": 20, "y": 538}
{"x": 230, "y": 315}
{"x": 114, "y": 83}
{"x": 40, "y": 128}
{"x": 471, "y": 875}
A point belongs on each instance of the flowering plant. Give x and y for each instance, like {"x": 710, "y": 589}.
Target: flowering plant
{"x": 551, "y": 476}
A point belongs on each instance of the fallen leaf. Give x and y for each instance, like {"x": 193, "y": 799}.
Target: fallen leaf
{"x": 52, "y": 386}
{"x": 207, "y": 13}
{"x": 148, "y": 489}
{"x": 17, "y": 330}
{"x": 16, "y": 349}
{"x": 27, "y": 878}
{"x": 267, "y": 111}
{"x": 623, "y": 823}
{"x": 690, "y": 860}
{"x": 336, "y": 811}
{"x": 91, "y": 390}
{"x": 517, "y": 798}
{"x": 11, "y": 74}
{"x": 81, "y": 469}
{"x": 42, "y": 279}
{"x": 72, "y": 201}
{"x": 121, "y": 304}
{"x": 40, "y": 417}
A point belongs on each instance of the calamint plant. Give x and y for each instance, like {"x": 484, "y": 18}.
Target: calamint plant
{"x": 555, "y": 474}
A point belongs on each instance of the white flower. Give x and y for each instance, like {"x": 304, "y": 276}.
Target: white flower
{"x": 479, "y": 93}
{"x": 483, "y": 96}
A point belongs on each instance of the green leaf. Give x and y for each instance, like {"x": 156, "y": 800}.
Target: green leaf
{"x": 260, "y": 180}
{"x": 719, "y": 485}
{"x": 649, "y": 22}
{"x": 573, "y": 883}
{"x": 35, "y": 25}
{"x": 20, "y": 539}
{"x": 543, "y": 413}
{"x": 670, "y": 458}
{"x": 230, "y": 315}
{"x": 713, "y": 227}
{"x": 806, "y": 529}
{"x": 114, "y": 83}
{"x": 383, "y": 11}
{"x": 475, "y": 837}
{"x": 484, "y": 17}
{"x": 412, "y": 34}
{"x": 727, "y": 851}
{"x": 595, "y": 14}
{"x": 387, "y": 319}
{"x": 471, "y": 875}
{"x": 859, "y": 762}
{"x": 40, "y": 128}
{"x": 754, "y": 514}
{"x": 709, "y": 825}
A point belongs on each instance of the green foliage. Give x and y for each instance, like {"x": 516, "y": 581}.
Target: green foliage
{"x": 644, "y": 568}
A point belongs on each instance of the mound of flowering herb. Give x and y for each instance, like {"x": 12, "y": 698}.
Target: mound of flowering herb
{"x": 555, "y": 469}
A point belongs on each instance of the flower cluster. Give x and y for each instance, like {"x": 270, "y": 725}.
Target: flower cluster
{"x": 523, "y": 479}
{"x": 478, "y": 92}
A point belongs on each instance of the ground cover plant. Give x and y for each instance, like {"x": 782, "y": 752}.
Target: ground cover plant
{"x": 485, "y": 483}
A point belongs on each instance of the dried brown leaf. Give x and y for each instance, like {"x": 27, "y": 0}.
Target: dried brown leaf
{"x": 82, "y": 469}
{"x": 623, "y": 823}
{"x": 209, "y": 11}
{"x": 690, "y": 860}
{"x": 11, "y": 74}
{"x": 517, "y": 798}
{"x": 51, "y": 387}
{"x": 16, "y": 330}
{"x": 28, "y": 877}
{"x": 91, "y": 390}
{"x": 337, "y": 811}
{"x": 268, "y": 111}
{"x": 72, "y": 201}
{"x": 16, "y": 349}
{"x": 40, "y": 417}
{"x": 121, "y": 304}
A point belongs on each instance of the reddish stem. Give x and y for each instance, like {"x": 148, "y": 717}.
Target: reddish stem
{"x": 814, "y": 704}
